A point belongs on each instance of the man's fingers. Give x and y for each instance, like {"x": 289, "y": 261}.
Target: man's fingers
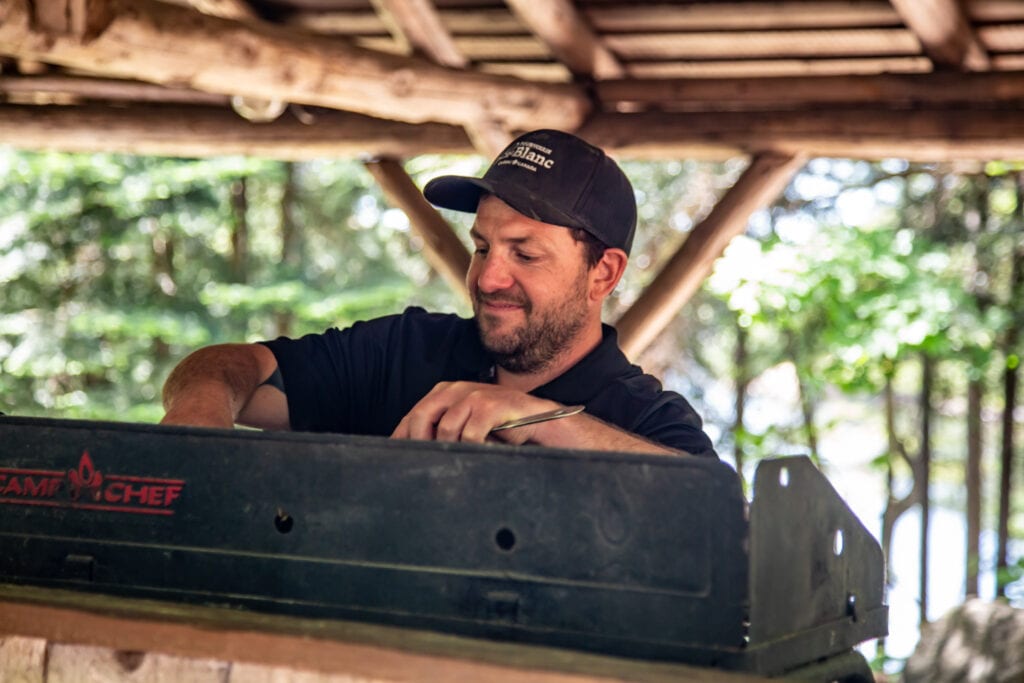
{"x": 421, "y": 422}
{"x": 402, "y": 430}
{"x": 451, "y": 426}
{"x": 467, "y": 411}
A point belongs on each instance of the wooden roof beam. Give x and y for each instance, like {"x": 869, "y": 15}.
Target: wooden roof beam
{"x": 945, "y": 33}
{"x": 686, "y": 270}
{"x": 200, "y": 131}
{"x": 569, "y": 36}
{"x": 807, "y": 92}
{"x": 935, "y": 134}
{"x": 931, "y": 135}
{"x": 162, "y": 43}
{"x": 418, "y": 25}
{"x": 237, "y": 10}
{"x": 76, "y": 20}
{"x": 740, "y": 15}
{"x": 443, "y": 249}
{"x": 108, "y": 89}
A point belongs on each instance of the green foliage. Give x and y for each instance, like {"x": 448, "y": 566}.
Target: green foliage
{"x": 114, "y": 267}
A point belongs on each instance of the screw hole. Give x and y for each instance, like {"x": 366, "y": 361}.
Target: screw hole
{"x": 851, "y": 606}
{"x": 837, "y": 542}
{"x": 505, "y": 539}
{"x": 784, "y": 477}
{"x": 283, "y": 522}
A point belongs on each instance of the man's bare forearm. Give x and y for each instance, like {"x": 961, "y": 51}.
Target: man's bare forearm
{"x": 213, "y": 385}
{"x": 590, "y": 433}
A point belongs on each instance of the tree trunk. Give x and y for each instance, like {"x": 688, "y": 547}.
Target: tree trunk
{"x": 806, "y": 397}
{"x": 975, "y": 393}
{"x": 742, "y": 381}
{"x": 1011, "y": 345}
{"x": 895, "y": 507}
{"x": 163, "y": 260}
{"x": 807, "y": 408}
{"x": 239, "y": 231}
{"x": 291, "y": 236}
{"x": 1006, "y": 453}
{"x": 924, "y": 458}
{"x": 291, "y": 241}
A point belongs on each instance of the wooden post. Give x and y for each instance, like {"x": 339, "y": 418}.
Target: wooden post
{"x": 443, "y": 249}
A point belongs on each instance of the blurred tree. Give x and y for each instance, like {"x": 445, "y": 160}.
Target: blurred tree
{"x": 114, "y": 267}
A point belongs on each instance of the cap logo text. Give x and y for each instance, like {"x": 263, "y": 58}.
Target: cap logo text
{"x": 528, "y": 155}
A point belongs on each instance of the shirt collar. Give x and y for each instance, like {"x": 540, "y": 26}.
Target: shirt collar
{"x": 583, "y": 381}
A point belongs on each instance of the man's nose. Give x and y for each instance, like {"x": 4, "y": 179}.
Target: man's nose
{"x": 494, "y": 274}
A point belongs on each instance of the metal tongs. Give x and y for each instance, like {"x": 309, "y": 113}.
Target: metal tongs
{"x": 564, "y": 411}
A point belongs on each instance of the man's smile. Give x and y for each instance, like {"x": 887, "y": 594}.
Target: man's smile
{"x": 493, "y": 304}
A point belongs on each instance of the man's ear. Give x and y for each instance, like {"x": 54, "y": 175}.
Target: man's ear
{"x": 606, "y": 273}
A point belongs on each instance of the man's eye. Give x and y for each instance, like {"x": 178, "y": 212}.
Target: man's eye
{"x": 525, "y": 258}
{"x": 480, "y": 250}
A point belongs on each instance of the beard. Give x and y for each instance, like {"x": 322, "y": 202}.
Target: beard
{"x": 541, "y": 338}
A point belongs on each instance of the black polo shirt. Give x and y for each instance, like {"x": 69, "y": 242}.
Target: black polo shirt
{"x": 364, "y": 379}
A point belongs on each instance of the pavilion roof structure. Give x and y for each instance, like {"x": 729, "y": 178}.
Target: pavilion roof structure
{"x": 775, "y": 81}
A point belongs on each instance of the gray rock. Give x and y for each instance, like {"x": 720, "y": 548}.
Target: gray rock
{"x": 977, "y": 641}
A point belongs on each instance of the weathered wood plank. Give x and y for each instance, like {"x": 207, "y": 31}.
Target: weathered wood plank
{"x": 772, "y": 67}
{"x": 741, "y": 16}
{"x": 362, "y": 652}
{"x": 91, "y": 664}
{"x": 22, "y": 660}
{"x": 811, "y": 44}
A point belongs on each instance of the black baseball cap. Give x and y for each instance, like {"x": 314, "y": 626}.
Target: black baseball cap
{"x": 552, "y": 177}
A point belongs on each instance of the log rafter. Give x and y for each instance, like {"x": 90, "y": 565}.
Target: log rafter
{"x": 945, "y": 33}
{"x": 195, "y": 131}
{"x": 904, "y": 91}
{"x": 144, "y": 41}
{"x": 442, "y": 247}
{"x": 417, "y": 24}
{"x": 569, "y": 36}
{"x": 926, "y": 135}
{"x": 239, "y": 10}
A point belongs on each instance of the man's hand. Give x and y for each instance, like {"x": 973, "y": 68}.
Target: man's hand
{"x": 468, "y": 411}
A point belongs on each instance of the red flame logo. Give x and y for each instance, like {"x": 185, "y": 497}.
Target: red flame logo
{"x": 85, "y": 477}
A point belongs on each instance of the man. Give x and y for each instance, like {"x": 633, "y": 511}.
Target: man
{"x": 555, "y": 219}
